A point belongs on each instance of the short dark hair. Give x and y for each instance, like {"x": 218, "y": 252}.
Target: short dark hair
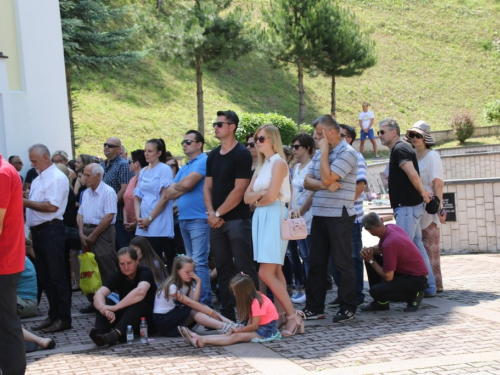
{"x": 305, "y": 141}
{"x": 391, "y": 124}
{"x": 12, "y": 157}
{"x": 371, "y": 220}
{"x": 127, "y": 250}
{"x": 351, "y": 132}
{"x": 160, "y": 146}
{"x": 198, "y": 137}
{"x": 138, "y": 155}
{"x": 248, "y": 136}
{"x": 328, "y": 121}
{"x": 230, "y": 115}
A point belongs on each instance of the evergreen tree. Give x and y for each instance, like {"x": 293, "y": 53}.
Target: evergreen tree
{"x": 91, "y": 40}
{"x": 202, "y": 32}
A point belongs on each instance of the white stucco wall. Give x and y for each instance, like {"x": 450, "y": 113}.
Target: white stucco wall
{"x": 38, "y": 113}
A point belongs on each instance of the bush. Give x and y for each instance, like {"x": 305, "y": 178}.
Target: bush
{"x": 462, "y": 123}
{"x": 250, "y": 122}
{"x": 492, "y": 112}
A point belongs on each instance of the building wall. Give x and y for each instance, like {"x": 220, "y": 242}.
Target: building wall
{"x": 8, "y": 43}
{"x": 37, "y": 110}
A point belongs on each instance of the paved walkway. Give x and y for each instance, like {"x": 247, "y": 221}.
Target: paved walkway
{"x": 455, "y": 333}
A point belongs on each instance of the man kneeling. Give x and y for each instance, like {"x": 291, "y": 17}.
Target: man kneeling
{"x": 400, "y": 275}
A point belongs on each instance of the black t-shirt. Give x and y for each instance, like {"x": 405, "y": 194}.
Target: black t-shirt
{"x": 121, "y": 284}
{"x": 401, "y": 190}
{"x": 31, "y": 175}
{"x": 69, "y": 216}
{"x": 224, "y": 170}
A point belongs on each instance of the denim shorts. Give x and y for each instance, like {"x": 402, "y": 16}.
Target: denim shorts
{"x": 267, "y": 330}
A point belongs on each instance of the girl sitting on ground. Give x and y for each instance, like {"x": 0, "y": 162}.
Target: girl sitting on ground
{"x": 176, "y": 302}
{"x": 254, "y": 309}
{"x": 148, "y": 258}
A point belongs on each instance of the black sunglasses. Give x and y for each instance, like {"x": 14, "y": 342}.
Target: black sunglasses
{"x": 415, "y": 135}
{"x": 187, "y": 141}
{"x": 296, "y": 147}
{"x": 261, "y": 139}
{"x": 220, "y": 123}
{"x": 381, "y": 132}
{"x": 109, "y": 145}
{"x": 251, "y": 144}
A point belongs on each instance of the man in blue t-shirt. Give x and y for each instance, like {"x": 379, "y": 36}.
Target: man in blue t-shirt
{"x": 187, "y": 188}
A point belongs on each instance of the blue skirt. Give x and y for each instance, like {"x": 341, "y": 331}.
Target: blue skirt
{"x": 268, "y": 247}
{"x": 166, "y": 324}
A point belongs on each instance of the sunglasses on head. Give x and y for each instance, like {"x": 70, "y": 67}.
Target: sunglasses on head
{"x": 261, "y": 139}
{"x": 109, "y": 145}
{"x": 250, "y": 144}
{"x": 415, "y": 135}
{"x": 187, "y": 141}
{"x": 220, "y": 123}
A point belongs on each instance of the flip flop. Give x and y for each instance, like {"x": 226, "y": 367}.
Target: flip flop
{"x": 184, "y": 334}
{"x": 191, "y": 337}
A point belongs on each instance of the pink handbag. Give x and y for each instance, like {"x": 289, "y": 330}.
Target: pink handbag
{"x": 293, "y": 227}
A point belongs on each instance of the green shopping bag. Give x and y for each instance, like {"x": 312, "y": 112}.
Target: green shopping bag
{"x": 90, "y": 277}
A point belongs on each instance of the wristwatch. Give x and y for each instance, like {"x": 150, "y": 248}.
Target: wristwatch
{"x": 371, "y": 261}
{"x": 150, "y": 218}
{"x": 217, "y": 214}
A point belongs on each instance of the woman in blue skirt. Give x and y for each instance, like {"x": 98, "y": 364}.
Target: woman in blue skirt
{"x": 268, "y": 190}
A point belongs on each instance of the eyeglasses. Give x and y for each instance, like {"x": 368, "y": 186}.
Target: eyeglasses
{"x": 260, "y": 139}
{"x": 296, "y": 147}
{"x": 109, "y": 145}
{"x": 381, "y": 132}
{"x": 251, "y": 144}
{"x": 415, "y": 135}
{"x": 188, "y": 142}
{"x": 220, "y": 123}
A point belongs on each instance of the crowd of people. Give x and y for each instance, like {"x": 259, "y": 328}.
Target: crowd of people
{"x": 154, "y": 227}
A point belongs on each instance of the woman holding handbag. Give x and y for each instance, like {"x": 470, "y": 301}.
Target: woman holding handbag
{"x": 268, "y": 190}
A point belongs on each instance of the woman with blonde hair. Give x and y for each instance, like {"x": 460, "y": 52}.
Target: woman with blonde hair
{"x": 269, "y": 189}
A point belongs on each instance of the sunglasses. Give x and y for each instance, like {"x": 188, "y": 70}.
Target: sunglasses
{"x": 343, "y": 135}
{"x": 260, "y": 139}
{"x": 109, "y": 145}
{"x": 251, "y": 144}
{"x": 415, "y": 135}
{"x": 381, "y": 132}
{"x": 220, "y": 123}
{"x": 296, "y": 147}
{"x": 187, "y": 141}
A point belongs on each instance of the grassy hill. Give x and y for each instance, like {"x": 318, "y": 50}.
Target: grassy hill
{"x": 434, "y": 56}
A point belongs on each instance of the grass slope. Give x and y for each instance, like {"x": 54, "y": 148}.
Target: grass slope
{"x": 431, "y": 60}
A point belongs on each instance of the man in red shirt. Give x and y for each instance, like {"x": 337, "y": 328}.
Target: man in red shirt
{"x": 12, "y": 252}
{"x": 401, "y": 274}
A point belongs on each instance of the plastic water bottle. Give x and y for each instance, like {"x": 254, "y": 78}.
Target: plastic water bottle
{"x": 130, "y": 335}
{"x": 144, "y": 331}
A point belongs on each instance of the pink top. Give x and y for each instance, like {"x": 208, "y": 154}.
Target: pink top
{"x": 128, "y": 199}
{"x": 267, "y": 311}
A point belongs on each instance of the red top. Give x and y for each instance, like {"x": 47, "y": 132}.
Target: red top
{"x": 400, "y": 254}
{"x": 12, "y": 242}
{"x": 267, "y": 311}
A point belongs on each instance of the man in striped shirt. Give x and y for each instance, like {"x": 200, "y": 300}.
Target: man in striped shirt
{"x": 332, "y": 176}
{"x": 96, "y": 218}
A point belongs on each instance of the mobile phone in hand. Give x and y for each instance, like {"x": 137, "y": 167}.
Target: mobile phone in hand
{"x": 443, "y": 212}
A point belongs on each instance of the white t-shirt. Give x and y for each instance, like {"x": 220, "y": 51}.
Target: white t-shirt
{"x": 365, "y": 118}
{"x": 162, "y": 306}
{"x": 430, "y": 168}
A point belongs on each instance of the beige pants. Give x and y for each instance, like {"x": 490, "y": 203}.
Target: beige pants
{"x": 104, "y": 250}
{"x": 26, "y": 308}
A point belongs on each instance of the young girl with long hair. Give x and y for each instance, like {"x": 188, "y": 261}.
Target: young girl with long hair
{"x": 255, "y": 310}
{"x": 148, "y": 258}
{"x": 177, "y": 303}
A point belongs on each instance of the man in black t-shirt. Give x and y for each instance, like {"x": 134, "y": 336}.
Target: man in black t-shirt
{"x": 406, "y": 191}
{"x": 228, "y": 175}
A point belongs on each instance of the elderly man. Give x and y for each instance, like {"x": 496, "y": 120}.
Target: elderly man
{"x": 95, "y": 218}
{"x": 12, "y": 357}
{"x": 407, "y": 193}
{"x": 44, "y": 215}
{"x": 117, "y": 175}
{"x": 17, "y": 163}
{"x": 401, "y": 274}
{"x": 332, "y": 176}
{"x": 124, "y": 153}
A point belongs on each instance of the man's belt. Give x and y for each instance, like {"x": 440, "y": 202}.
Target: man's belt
{"x": 46, "y": 224}
{"x": 90, "y": 225}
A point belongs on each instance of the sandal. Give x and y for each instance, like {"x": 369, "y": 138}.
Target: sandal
{"x": 184, "y": 334}
{"x": 299, "y": 324}
{"x": 191, "y": 337}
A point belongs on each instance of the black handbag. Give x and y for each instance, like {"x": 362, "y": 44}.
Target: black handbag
{"x": 433, "y": 206}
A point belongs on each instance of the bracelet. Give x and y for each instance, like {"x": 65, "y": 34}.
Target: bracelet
{"x": 256, "y": 204}
{"x": 211, "y": 312}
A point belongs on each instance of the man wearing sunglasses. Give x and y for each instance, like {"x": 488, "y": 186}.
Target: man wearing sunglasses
{"x": 228, "y": 176}
{"x": 407, "y": 193}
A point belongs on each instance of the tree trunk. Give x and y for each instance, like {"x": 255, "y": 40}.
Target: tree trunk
{"x": 199, "y": 96}
{"x": 334, "y": 104}
{"x": 70, "y": 110}
{"x": 302, "y": 103}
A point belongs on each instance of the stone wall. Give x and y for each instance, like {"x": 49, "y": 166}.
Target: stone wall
{"x": 468, "y": 150}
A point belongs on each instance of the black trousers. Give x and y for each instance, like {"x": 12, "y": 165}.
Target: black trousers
{"x": 130, "y": 315}
{"x": 231, "y": 246}
{"x": 331, "y": 236}
{"x": 12, "y": 351}
{"x": 402, "y": 288}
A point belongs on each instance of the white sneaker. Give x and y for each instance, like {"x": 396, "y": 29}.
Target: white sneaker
{"x": 300, "y": 298}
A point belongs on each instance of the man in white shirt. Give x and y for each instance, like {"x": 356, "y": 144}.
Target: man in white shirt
{"x": 366, "y": 119}
{"x": 44, "y": 215}
{"x": 96, "y": 218}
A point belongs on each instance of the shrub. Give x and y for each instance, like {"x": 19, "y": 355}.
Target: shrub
{"x": 462, "y": 123}
{"x": 249, "y": 122}
{"x": 492, "y": 112}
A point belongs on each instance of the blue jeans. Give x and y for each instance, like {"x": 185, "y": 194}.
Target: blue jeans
{"x": 305, "y": 248}
{"x": 292, "y": 253}
{"x": 408, "y": 218}
{"x": 196, "y": 235}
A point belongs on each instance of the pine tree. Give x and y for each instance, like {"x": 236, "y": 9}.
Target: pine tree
{"x": 91, "y": 40}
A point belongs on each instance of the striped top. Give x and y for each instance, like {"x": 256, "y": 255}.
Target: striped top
{"x": 97, "y": 203}
{"x": 344, "y": 162}
{"x": 358, "y": 204}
